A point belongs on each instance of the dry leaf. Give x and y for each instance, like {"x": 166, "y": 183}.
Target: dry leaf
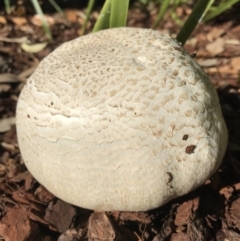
{"x": 235, "y": 62}
{"x": 232, "y": 41}
{"x": 37, "y": 20}
{"x": 208, "y": 62}
{"x": 215, "y": 47}
{"x": 215, "y": 33}
{"x": 33, "y": 48}
{"x": 5, "y": 124}
{"x": 72, "y": 15}
{"x": 19, "y": 21}
{"x": 3, "y": 20}
{"x": 9, "y": 78}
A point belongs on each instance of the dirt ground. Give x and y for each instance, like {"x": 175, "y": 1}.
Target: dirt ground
{"x": 29, "y": 212}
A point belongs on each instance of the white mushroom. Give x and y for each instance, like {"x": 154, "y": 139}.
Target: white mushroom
{"x": 121, "y": 119}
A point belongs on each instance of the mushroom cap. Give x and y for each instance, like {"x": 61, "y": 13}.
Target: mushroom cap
{"x": 122, "y": 119}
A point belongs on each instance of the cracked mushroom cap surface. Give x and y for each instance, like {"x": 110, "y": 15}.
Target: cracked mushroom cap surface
{"x": 122, "y": 119}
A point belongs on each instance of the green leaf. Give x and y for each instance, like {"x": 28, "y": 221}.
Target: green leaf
{"x": 56, "y": 6}
{"x": 192, "y": 21}
{"x": 162, "y": 11}
{"x": 40, "y": 13}
{"x": 7, "y": 6}
{"x": 113, "y": 14}
{"x": 119, "y": 11}
{"x": 89, "y": 10}
{"x": 103, "y": 19}
{"x": 214, "y": 12}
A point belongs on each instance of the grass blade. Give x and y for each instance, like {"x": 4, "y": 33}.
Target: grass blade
{"x": 162, "y": 11}
{"x": 119, "y": 11}
{"x": 210, "y": 3}
{"x": 219, "y": 9}
{"x": 88, "y": 12}
{"x": 103, "y": 19}
{"x": 40, "y": 13}
{"x": 192, "y": 21}
{"x": 7, "y": 6}
{"x": 56, "y": 6}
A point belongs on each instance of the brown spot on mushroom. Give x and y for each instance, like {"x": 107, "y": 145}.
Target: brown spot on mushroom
{"x": 170, "y": 177}
{"x": 190, "y": 149}
{"x": 194, "y": 54}
{"x": 28, "y": 115}
{"x": 178, "y": 48}
{"x": 185, "y": 137}
{"x": 186, "y": 73}
{"x": 175, "y": 72}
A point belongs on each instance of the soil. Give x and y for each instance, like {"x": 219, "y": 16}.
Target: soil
{"x": 29, "y": 212}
